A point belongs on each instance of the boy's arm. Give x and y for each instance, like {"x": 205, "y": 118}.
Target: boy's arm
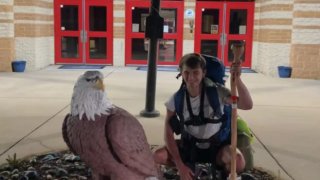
{"x": 184, "y": 171}
{"x": 245, "y": 100}
{"x": 170, "y": 141}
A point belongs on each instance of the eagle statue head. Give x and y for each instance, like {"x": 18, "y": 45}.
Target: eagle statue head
{"x": 89, "y": 97}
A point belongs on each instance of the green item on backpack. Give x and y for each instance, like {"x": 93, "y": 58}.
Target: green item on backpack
{"x": 244, "y": 129}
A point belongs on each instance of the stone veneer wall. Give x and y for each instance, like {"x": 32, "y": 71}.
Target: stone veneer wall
{"x": 34, "y": 31}
{"x": 272, "y": 35}
{"x": 6, "y": 35}
{"x": 305, "y": 49}
{"x": 188, "y": 36}
{"x": 287, "y": 32}
{"x": 119, "y": 32}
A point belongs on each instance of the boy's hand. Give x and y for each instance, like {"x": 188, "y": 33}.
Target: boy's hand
{"x": 185, "y": 172}
{"x": 237, "y": 50}
{"x": 236, "y": 69}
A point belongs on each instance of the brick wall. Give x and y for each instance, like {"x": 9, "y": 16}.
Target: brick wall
{"x": 6, "y": 35}
{"x": 305, "y": 51}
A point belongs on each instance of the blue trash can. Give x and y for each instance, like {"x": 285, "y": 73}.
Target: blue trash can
{"x": 284, "y": 71}
{"x": 18, "y": 66}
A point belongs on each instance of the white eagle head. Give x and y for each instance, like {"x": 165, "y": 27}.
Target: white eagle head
{"x": 89, "y": 97}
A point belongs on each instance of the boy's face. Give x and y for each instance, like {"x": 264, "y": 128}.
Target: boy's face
{"x": 192, "y": 77}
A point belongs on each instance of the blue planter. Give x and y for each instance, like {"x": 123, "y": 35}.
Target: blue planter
{"x": 18, "y": 66}
{"x": 284, "y": 71}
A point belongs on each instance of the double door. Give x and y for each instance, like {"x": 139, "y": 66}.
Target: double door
{"x": 219, "y": 24}
{"x": 136, "y": 45}
{"x": 83, "y": 31}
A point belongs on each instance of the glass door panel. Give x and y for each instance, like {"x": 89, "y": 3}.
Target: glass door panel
{"x": 69, "y": 47}
{"x": 98, "y": 18}
{"x": 139, "y": 49}
{"x": 69, "y": 17}
{"x": 238, "y": 21}
{"x": 139, "y": 16}
{"x": 209, "y": 47}
{"x": 170, "y": 19}
{"x": 167, "y": 50}
{"x": 210, "y": 21}
{"x": 98, "y": 48}
{"x": 230, "y": 54}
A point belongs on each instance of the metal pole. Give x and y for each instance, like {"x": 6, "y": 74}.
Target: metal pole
{"x": 154, "y": 31}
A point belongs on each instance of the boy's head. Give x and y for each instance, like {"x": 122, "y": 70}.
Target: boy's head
{"x": 192, "y": 61}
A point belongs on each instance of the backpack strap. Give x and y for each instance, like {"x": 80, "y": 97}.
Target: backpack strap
{"x": 201, "y": 111}
{"x": 179, "y": 103}
{"x": 212, "y": 94}
{"x": 213, "y": 97}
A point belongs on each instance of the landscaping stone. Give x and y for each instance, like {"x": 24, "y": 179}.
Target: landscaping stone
{"x": 65, "y": 165}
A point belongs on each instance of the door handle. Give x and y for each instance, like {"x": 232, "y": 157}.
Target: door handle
{"x": 83, "y": 36}
{"x": 223, "y": 38}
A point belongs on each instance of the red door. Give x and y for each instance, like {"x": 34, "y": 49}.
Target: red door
{"x": 83, "y": 31}
{"x": 218, "y": 24}
{"x": 209, "y": 27}
{"x": 99, "y": 23}
{"x": 136, "y": 46}
{"x": 68, "y": 27}
{"x": 239, "y": 26}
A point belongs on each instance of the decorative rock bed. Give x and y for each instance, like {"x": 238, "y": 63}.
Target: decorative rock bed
{"x": 65, "y": 165}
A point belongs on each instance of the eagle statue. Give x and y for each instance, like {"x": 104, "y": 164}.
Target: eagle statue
{"x": 107, "y": 138}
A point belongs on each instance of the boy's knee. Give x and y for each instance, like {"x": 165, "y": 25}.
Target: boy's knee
{"x": 160, "y": 156}
{"x": 241, "y": 164}
{"x": 224, "y": 159}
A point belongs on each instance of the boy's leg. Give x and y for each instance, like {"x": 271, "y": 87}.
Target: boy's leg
{"x": 244, "y": 146}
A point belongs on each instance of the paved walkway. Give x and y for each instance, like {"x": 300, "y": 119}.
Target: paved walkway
{"x": 285, "y": 117}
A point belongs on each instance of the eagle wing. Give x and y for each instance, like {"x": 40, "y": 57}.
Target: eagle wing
{"x": 129, "y": 142}
{"x": 65, "y": 132}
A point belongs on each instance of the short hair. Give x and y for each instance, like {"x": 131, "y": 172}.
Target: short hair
{"x": 192, "y": 60}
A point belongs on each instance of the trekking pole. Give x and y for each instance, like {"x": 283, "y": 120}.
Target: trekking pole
{"x": 237, "y": 50}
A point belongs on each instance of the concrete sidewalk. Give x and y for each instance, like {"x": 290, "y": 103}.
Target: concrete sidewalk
{"x": 285, "y": 117}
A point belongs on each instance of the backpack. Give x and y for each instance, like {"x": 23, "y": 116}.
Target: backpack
{"x": 215, "y": 69}
{"x": 216, "y": 73}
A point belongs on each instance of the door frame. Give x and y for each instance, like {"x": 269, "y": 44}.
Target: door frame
{"x": 58, "y": 33}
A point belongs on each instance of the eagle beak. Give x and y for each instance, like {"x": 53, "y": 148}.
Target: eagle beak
{"x": 99, "y": 84}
